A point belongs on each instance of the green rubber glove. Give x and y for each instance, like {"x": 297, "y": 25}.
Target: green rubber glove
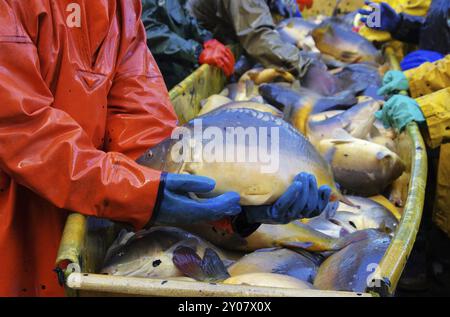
{"x": 393, "y": 81}
{"x": 399, "y": 111}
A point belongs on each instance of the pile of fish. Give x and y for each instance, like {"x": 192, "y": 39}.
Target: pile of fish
{"x": 326, "y": 126}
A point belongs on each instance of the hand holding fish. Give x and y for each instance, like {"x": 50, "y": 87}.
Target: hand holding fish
{"x": 303, "y": 199}
{"x": 178, "y": 208}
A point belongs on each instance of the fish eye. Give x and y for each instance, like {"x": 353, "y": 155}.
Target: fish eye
{"x": 150, "y": 154}
{"x": 156, "y": 263}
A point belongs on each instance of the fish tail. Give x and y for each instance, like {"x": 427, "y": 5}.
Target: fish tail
{"x": 330, "y": 210}
{"x": 347, "y": 201}
{"x": 211, "y": 268}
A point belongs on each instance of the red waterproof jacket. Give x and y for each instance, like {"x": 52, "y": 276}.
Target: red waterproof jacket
{"x": 80, "y": 98}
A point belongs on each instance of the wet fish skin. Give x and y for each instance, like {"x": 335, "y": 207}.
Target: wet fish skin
{"x": 350, "y": 268}
{"x": 358, "y": 77}
{"x": 241, "y": 91}
{"x": 149, "y": 253}
{"x": 319, "y": 80}
{"x": 324, "y": 115}
{"x": 332, "y": 39}
{"x": 213, "y": 102}
{"x": 277, "y": 260}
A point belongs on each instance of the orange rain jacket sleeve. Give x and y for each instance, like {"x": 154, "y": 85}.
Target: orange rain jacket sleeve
{"x": 46, "y": 150}
{"x": 80, "y": 98}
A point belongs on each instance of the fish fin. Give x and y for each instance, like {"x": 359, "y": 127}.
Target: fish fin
{"x": 188, "y": 262}
{"x": 330, "y": 210}
{"x": 351, "y": 238}
{"x": 296, "y": 245}
{"x": 213, "y": 267}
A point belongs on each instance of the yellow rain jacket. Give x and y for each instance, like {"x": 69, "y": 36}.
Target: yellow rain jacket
{"x": 430, "y": 84}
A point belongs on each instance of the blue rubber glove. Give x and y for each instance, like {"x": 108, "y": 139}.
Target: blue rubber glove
{"x": 177, "y": 207}
{"x": 285, "y": 8}
{"x": 417, "y": 58}
{"x": 389, "y": 19}
{"x": 393, "y": 81}
{"x": 301, "y": 200}
{"x": 400, "y": 110}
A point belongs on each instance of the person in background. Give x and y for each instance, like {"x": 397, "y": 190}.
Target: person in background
{"x": 179, "y": 43}
{"x": 82, "y": 99}
{"x": 429, "y": 86}
{"x": 250, "y": 23}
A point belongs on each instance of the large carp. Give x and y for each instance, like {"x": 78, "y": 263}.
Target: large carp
{"x": 246, "y": 151}
{"x": 347, "y": 46}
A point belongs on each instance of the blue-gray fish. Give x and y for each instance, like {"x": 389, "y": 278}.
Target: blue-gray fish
{"x": 350, "y": 268}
